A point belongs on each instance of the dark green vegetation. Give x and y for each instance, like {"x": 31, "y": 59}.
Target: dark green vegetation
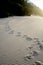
{"x": 18, "y": 8}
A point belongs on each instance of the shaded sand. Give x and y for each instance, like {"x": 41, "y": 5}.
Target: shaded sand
{"x": 21, "y": 40}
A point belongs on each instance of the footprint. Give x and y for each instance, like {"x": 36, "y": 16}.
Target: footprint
{"x": 41, "y": 47}
{"x": 30, "y": 48}
{"x": 33, "y": 64}
{"x": 7, "y": 28}
{"x": 38, "y": 63}
{"x": 35, "y": 39}
{"x": 18, "y": 34}
{"x": 24, "y": 36}
{"x": 28, "y": 57}
{"x": 28, "y": 38}
{"x": 42, "y": 40}
{"x": 35, "y": 53}
{"x": 12, "y": 64}
{"x": 38, "y": 42}
{"x": 11, "y": 32}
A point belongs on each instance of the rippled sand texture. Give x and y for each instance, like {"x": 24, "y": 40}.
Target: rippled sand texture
{"x": 21, "y": 40}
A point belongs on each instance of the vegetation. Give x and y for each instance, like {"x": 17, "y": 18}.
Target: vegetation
{"x": 13, "y": 7}
{"x": 18, "y": 8}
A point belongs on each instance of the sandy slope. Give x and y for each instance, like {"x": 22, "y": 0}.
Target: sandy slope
{"x": 21, "y": 40}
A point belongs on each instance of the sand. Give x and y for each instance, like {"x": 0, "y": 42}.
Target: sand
{"x": 21, "y": 40}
